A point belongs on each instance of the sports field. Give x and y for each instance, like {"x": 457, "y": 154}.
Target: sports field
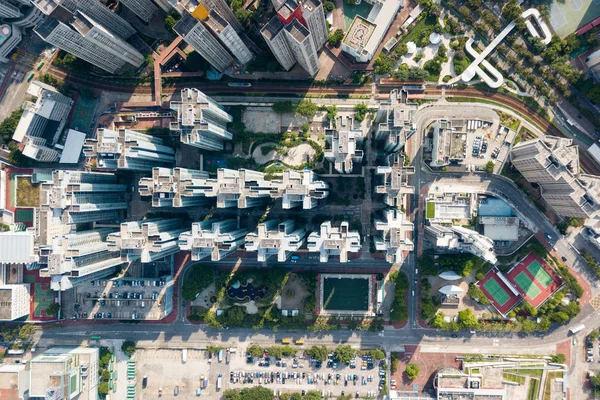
{"x": 527, "y": 286}
{"x": 567, "y": 15}
{"x": 346, "y": 294}
{"x": 496, "y": 291}
{"x": 540, "y": 274}
{"x": 43, "y": 296}
{"x": 85, "y": 108}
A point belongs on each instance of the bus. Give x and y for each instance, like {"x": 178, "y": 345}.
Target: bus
{"x": 299, "y": 342}
{"x": 286, "y": 341}
{"x": 184, "y": 356}
{"x": 29, "y": 77}
{"x": 95, "y": 337}
{"x": 576, "y": 329}
{"x": 39, "y": 65}
{"x": 219, "y": 382}
{"x": 239, "y": 84}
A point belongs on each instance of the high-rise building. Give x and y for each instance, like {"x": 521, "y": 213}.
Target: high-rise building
{"x": 334, "y": 241}
{"x": 89, "y": 41}
{"x": 290, "y": 34}
{"x": 299, "y": 189}
{"x": 395, "y": 236}
{"x": 223, "y": 9}
{"x": 553, "y": 163}
{"x": 342, "y": 149}
{"x": 201, "y": 39}
{"x": 127, "y": 149}
{"x": 275, "y": 238}
{"x": 394, "y": 120}
{"x": 215, "y": 239}
{"x": 79, "y": 257}
{"x": 77, "y": 197}
{"x": 178, "y": 187}
{"x": 144, "y": 9}
{"x": 10, "y": 37}
{"x": 92, "y": 9}
{"x": 314, "y": 16}
{"x": 15, "y": 301}
{"x": 395, "y": 186}
{"x": 147, "y": 240}
{"x": 459, "y": 239}
{"x": 43, "y": 122}
{"x": 9, "y": 10}
{"x": 243, "y": 188}
{"x": 201, "y": 121}
{"x": 65, "y": 373}
{"x": 228, "y": 37}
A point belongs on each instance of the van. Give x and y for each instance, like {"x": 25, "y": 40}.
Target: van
{"x": 118, "y": 303}
{"x": 143, "y": 304}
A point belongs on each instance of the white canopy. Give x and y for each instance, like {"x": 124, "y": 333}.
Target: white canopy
{"x": 450, "y": 290}
{"x": 412, "y": 47}
{"x": 434, "y": 38}
{"x": 450, "y": 276}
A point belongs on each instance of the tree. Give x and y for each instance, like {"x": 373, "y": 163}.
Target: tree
{"x": 467, "y": 320}
{"x": 244, "y": 16}
{"x": 331, "y": 112}
{"x": 528, "y": 326}
{"x": 171, "y": 20}
{"x": 442, "y": 50}
{"x": 198, "y": 279}
{"x": 558, "y": 358}
{"x": 489, "y": 167}
{"x": 319, "y": 353}
{"x": 304, "y": 128}
{"x": 307, "y": 108}
{"x": 328, "y": 6}
{"x": 384, "y": 64}
{"x": 377, "y": 354}
{"x": 128, "y": 347}
{"x": 53, "y": 309}
{"x": 336, "y": 37}
{"x": 255, "y": 350}
{"x": 105, "y": 375}
{"x": 361, "y": 112}
{"x": 8, "y": 126}
{"x": 282, "y": 107}
{"x": 476, "y": 294}
{"x": 593, "y": 335}
{"x": 412, "y": 371}
{"x": 465, "y": 12}
{"x": 344, "y": 353}
{"x": 103, "y": 389}
{"x": 312, "y": 395}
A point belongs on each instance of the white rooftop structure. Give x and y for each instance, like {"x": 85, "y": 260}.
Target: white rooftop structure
{"x": 592, "y": 230}
{"x": 334, "y": 241}
{"x": 434, "y": 38}
{"x": 147, "y": 240}
{"x": 366, "y": 34}
{"x": 394, "y": 120}
{"x": 300, "y": 189}
{"x": 275, "y": 238}
{"x": 411, "y": 48}
{"x": 451, "y": 290}
{"x": 216, "y": 239}
{"x": 72, "y": 147}
{"x": 395, "y": 238}
{"x": 18, "y": 248}
{"x": 129, "y": 150}
{"x": 450, "y": 276}
{"x": 178, "y": 187}
{"x": 500, "y": 228}
{"x": 395, "y": 187}
{"x": 15, "y": 301}
{"x": 343, "y": 149}
{"x": 457, "y": 238}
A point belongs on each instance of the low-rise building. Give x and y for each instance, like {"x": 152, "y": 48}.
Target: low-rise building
{"x": 129, "y": 150}
{"x": 500, "y": 228}
{"x": 216, "y": 239}
{"x": 395, "y": 186}
{"x": 592, "y": 230}
{"x": 275, "y": 238}
{"x": 147, "y": 240}
{"x": 14, "y": 381}
{"x": 65, "y": 373}
{"x": 395, "y": 238}
{"x": 459, "y": 239}
{"x": 334, "y": 241}
{"x": 343, "y": 149}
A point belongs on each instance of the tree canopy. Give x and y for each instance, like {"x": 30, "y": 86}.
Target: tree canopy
{"x": 412, "y": 371}
{"x": 128, "y": 347}
{"x": 254, "y": 393}
{"x": 318, "y": 352}
{"x": 344, "y": 353}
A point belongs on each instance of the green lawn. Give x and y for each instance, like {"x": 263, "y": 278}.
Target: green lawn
{"x": 430, "y": 210}
{"x": 514, "y": 378}
{"x": 415, "y": 33}
{"x": 534, "y": 388}
{"x": 527, "y": 371}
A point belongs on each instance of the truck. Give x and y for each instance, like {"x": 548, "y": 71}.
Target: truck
{"x": 219, "y": 382}
{"x": 95, "y": 337}
{"x": 16, "y": 352}
{"x": 227, "y": 357}
{"x": 577, "y": 328}
{"x": 184, "y": 356}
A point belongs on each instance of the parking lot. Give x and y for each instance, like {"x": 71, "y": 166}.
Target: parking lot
{"x": 359, "y": 379}
{"x": 167, "y": 369}
{"x": 122, "y": 298}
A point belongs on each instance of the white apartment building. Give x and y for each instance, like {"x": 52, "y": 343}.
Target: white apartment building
{"x": 276, "y": 39}
{"x": 395, "y": 237}
{"x": 395, "y": 185}
{"x": 9, "y": 9}
{"x": 201, "y": 39}
{"x": 144, "y": 9}
{"x": 79, "y": 257}
{"x": 10, "y": 37}
{"x": 228, "y": 37}
{"x": 147, "y": 240}
{"x": 15, "y": 301}
{"x": 275, "y": 238}
{"x": 243, "y": 188}
{"x": 458, "y": 239}
{"x": 43, "y": 122}
{"x": 334, "y": 241}
{"x": 65, "y": 373}
{"x": 395, "y": 120}
{"x": 303, "y": 47}
{"x": 342, "y": 149}
{"x": 129, "y": 150}
{"x": 201, "y": 121}
{"x": 300, "y": 189}
{"x": 314, "y": 16}
{"x": 553, "y": 163}
{"x": 76, "y": 197}
{"x": 223, "y": 9}
{"x": 178, "y": 187}
{"x": 214, "y": 239}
